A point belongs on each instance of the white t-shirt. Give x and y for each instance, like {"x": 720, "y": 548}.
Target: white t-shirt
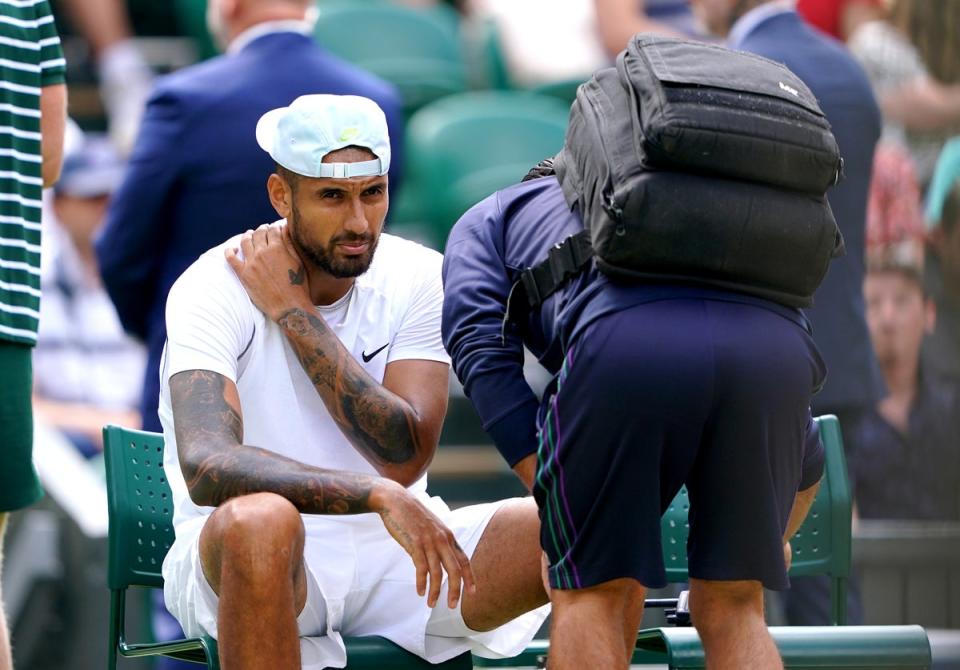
{"x": 212, "y": 325}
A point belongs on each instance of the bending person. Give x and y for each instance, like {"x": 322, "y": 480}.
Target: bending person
{"x": 657, "y": 385}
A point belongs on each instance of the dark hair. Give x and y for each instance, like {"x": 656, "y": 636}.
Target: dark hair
{"x": 289, "y": 176}
{"x": 888, "y": 264}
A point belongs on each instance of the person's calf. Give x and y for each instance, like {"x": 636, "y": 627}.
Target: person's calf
{"x": 507, "y": 566}
{"x": 595, "y": 627}
{"x": 728, "y": 616}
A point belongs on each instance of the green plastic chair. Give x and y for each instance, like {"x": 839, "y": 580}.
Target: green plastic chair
{"x": 486, "y": 64}
{"x": 820, "y": 547}
{"x": 464, "y": 147}
{"x": 564, "y": 90}
{"x": 419, "y": 51}
{"x": 812, "y": 647}
{"x": 192, "y": 18}
{"x": 140, "y": 533}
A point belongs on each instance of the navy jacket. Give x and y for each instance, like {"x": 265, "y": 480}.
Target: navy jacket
{"x": 197, "y": 176}
{"x": 487, "y": 249}
{"x": 840, "y": 85}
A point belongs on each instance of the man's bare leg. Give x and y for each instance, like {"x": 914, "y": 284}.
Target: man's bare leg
{"x": 728, "y": 616}
{"x": 506, "y": 566}
{"x": 251, "y": 549}
{"x": 6, "y": 660}
{"x": 595, "y": 627}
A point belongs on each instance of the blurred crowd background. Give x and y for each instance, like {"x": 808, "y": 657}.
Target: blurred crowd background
{"x": 483, "y": 90}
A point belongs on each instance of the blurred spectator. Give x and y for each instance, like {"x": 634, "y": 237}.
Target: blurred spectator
{"x": 619, "y": 20}
{"x": 854, "y": 384}
{"x": 910, "y": 464}
{"x": 894, "y": 212}
{"x": 587, "y": 33}
{"x": 33, "y": 112}
{"x": 196, "y": 175}
{"x": 839, "y": 18}
{"x": 86, "y": 371}
{"x": 125, "y": 77}
{"x": 913, "y": 61}
{"x": 524, "y": 28}
{"x": 941, "y": 350}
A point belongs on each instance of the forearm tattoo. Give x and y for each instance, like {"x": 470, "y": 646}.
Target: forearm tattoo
{"x": 217, "y": 465}
{"x": 379, "y": 424}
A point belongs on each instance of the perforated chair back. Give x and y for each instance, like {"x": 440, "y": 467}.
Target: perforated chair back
{"x": 139, "y": 506}
{"x": 417, "y": 50}
{"x": 820, "y": 547}
{"x": 140, "y": 513}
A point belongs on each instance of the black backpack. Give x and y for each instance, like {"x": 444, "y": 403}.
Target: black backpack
{"x": 690, "y": 162}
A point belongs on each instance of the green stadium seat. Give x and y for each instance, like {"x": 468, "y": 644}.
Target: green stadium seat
{"x": 486, "y": 63}
{"x": 810, "y": 647}
{"x": 192, "y": 18}
{"x": 464, "y": 147}
{"x": 564, "y": 90}
{"x": 140, "y": 513}
{"x": 820, "y": 547}
{"x": 419, "y": 51}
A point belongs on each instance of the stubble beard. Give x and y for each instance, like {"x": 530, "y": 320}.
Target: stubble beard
{"x": 326, "y": 259}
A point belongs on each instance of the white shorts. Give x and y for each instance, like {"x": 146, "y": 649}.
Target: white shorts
{"x": 360, "y": 582}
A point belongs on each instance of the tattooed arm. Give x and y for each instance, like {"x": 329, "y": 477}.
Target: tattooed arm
{"x": 396, "y": 425}
{"x": 217, "y": 466}
{"x": 384, "y": 426}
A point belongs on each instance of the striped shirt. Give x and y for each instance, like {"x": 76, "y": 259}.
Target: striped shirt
{"x": 30, "y": 58}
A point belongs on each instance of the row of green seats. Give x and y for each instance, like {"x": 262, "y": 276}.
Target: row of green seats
{"x": 424, "y": 52}
{"x": 461, "y": 145}
{"x": 462, "y": 148}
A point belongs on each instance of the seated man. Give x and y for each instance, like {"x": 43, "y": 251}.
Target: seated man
{"x": 304, "y": 386}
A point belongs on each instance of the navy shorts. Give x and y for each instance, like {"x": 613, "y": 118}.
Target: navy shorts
{"x": 707, "y": 393}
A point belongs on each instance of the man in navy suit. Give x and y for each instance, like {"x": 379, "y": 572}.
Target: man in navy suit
{"x": 196, "y": 175}
{"x": 771, "y": 28}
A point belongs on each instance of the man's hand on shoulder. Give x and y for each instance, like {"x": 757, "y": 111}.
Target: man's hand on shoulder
{"x": 271, "y": 270}
{"x": 431, "y": 545}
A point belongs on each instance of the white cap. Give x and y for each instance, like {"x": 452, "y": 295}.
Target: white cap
{"x": 299, "y": 136}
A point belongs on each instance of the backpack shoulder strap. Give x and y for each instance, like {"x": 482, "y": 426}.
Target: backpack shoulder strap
{"x": 537, "y": 283}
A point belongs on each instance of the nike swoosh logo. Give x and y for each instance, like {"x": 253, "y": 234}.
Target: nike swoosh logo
{"x": 368, "y": 357}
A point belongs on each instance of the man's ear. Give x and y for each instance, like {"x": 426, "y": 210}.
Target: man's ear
{"x": 281, "y": 195}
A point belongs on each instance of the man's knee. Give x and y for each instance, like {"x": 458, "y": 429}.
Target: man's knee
{"x": 718, "y": 604}
{"x": 257, "y": 531}
{"x": 617, "y": 596}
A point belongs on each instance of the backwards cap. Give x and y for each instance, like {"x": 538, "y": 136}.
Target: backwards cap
{"x": 298, "y": 137}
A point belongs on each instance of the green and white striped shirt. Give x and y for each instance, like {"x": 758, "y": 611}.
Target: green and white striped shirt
{"x": 30, "y": 58}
